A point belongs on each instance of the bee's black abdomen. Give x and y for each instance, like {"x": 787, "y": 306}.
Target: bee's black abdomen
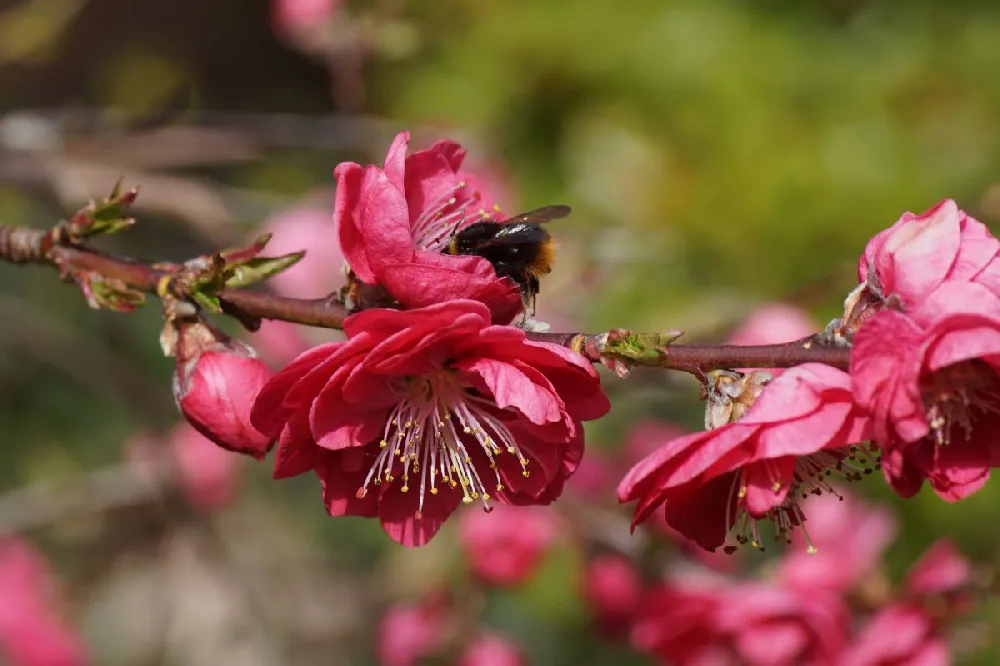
{"x": 519, "y": 250}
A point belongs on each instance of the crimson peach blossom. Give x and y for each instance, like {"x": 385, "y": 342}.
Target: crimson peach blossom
{"x": 714, "y": 482}
{"x": 422, "y": 410}
{"x": 929, "y": 379}
{"x": 393, "y": 223}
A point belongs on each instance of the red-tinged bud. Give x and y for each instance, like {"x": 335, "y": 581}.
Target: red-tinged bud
{"x": 215, "y": 384}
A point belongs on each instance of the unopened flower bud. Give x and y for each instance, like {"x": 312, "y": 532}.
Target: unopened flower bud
{"x": 215, "y": 384}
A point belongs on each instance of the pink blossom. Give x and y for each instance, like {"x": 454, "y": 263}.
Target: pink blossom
{"x": 299, "y": 15}
{"x": 775, "y": 626}
{"x": 773, "y": 324}
{"x": 491, "y": 650}
{"x": 595, "y": 476}
{"x": 422, "y": 410}
{"x": 942, "y": 569}
{"x": 320, "y": 271}
{"x": 909, "y": 631}
{"x": 207, "y": 474}
{"x": 803, "y": 426}
{"x": 316, "y": 275}
{"x": 505, "y": 546}
{"x": 678, "y": 622}
{"x": 279, "y": 341}
{"x": 919, "y": 253}
{"x": 408, "y": 633}
{"x": 612, "y": 589}
{"x": 847, "y": 539}
{"x": 929, "y": 380}
{"x": 31, "y": 631}
{"x": 394, "y": 223}
{"x": 897, "y": 635}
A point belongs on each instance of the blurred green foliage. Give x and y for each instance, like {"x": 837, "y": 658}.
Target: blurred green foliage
{"x": 718, "y": 154}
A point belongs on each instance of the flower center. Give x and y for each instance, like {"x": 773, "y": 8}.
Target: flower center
{"x": 430, "y": 436}
{"x": 812, "y": 476}
{"x": 457, "y": 208}
{"x": 953, "y": 395}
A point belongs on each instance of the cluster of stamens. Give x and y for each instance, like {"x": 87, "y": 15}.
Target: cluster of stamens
{"x": 953, "y": 396}
{"x": 812, "y": 476}
{"x": 431, "y": 437}
{"x": 447, "y": 215}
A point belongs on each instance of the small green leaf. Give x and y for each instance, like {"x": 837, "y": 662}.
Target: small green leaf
{"x": 261, "y": 268}
{"x": 208, "y": 301}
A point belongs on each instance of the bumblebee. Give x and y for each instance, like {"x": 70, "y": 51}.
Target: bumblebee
{"x": 519, "y": 248}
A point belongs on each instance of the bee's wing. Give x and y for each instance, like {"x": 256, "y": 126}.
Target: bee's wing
{"x": 518, "y": 233}
{"x": 539, "y": 215}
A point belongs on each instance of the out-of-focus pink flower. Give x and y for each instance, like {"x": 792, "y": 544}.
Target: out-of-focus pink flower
{"x": 678, "y": 622}
{"x": 846, "y": 539}
{"x": 279, "y": 341}
{"x": 773, "y": 324}
{"x": 909, "y": 631}
{"x": 422, "y": 410}
{"x": 929, "y": 380}
{"x": 776, "y": 626}
{"x": 941, "y": 570}
{"x": 491, "y": 650}
{"x": 505, "y": 546}
{"x": 394, "y": 222}
{"x": 207, "y": 474}
{"x": 299, "y": 15}
{"x": 408, "y": 633}
{"x": 318, "y": 273}
{"x": 612, "y": 589}
{"x": 919, "y": 253}
{"x": 803, "y": 426}
{"x": 216, "y": 381}
{"x": 600, "y": 470}
{"x": 31, "y": 631}
{"x": 897, "y": 635}
{"x": 595, "y": 476}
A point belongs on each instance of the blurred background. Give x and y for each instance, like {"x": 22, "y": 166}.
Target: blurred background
{"x": 720, "y": 156}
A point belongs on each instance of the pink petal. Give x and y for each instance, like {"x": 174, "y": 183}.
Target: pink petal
{"x": 397, "y": 511}
{"x": 920, "y": 254}
{"x": 512, "y": 388}
{"x": 431, "y": 177}
{"x": 395, "y": 161}
{"x": 767, "y": 484}
{"x": 384, "y": 222}
{"x": 803, "y": 436}
{"x": 349, "y": 177}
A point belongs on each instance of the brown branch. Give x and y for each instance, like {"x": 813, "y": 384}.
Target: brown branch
{"x": 618, "y": 349}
